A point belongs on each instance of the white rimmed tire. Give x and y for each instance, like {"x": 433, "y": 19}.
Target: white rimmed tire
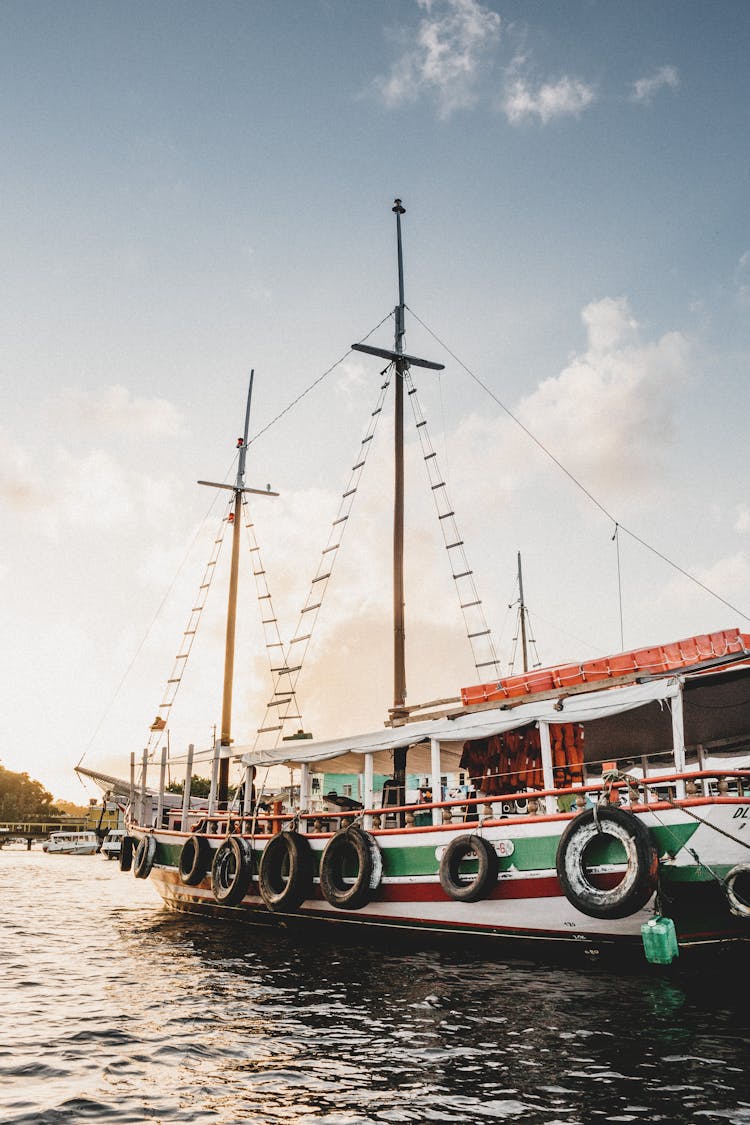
{"x": 574, "y": 862}
{"x": 351, "y": 869}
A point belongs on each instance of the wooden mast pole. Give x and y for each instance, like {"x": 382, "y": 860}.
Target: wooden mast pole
{"x": 226, "y": 709}
{"x": 522, "y": 611}
{"x": 399, "y": 630}
{"x": 402, "y": 362}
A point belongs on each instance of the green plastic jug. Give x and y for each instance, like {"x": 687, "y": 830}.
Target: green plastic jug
{"x": 660, "y": 940}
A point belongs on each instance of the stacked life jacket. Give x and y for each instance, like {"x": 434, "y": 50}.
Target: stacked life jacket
{"x": 512, "y": 762}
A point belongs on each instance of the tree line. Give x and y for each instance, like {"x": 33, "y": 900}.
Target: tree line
{"x": 23, "y": 798}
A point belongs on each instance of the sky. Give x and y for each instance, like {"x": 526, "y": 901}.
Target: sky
{"x": 192, "y": 190}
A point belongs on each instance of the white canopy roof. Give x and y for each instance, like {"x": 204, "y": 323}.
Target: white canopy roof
{"x": 345, "y": 755}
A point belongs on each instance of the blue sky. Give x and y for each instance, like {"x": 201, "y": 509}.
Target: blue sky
{"x": 190, "y": 190}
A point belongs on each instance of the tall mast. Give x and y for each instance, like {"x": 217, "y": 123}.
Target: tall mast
{"x": 402, "y": 363}
{"x": 399, "y": 630}
{"x": 522, "y": 612}
{"x": 226, "y": 706}
{"x": 238, "y": 488}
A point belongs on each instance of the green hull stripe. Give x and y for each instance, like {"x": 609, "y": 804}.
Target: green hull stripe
{"x": 537, "y": 853}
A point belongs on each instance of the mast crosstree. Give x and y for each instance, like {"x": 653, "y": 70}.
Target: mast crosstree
{"x": 240, "y": 490}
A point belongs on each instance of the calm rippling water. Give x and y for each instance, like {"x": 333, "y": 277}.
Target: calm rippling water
{"x": 113, "y": 1010}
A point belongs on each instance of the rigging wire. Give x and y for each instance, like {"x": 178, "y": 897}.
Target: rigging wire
{"x": 153, "y": 621}
{"x": 294, "y": 657}
{"x": 315, "y": 383}
{"x": 478, "y": 632}
{"x": 616, "y": 540}
{"x": 540, "y": 445}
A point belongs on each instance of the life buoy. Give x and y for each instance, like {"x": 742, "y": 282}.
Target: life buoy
{"x": 351, "y": 869}
{"x": 737, "y": 890}
{"x": 231, "y": 870}
{"x": 642, "y": 863}
{"x": 457, "y": 886}
{"x": 195, "y": 860}
{"x": 145, "y": 854}
{"x": 126, "y": 853}
{"x": 285, "y": 875}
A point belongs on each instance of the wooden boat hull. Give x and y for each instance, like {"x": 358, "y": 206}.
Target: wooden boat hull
{"x": 526, "y": 906}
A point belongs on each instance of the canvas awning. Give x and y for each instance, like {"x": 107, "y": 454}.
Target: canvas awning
{"x": 345, "y": 755}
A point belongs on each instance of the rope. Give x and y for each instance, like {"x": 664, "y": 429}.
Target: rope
{"x": 589, "y": 495}
{"x": 314, "y": 384}
{"x": 153, "y": 621}
{"x": 293, "y": 656}
{"x": 478, "y": 632}
{"x": 707, "y": 824}
{"x": 611, "y": 776}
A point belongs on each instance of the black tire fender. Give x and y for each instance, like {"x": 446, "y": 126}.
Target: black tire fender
{"x": 450, "y": 868}
{"x": 285, "y": 874}
{"x": 195, "y": 860}
{"x": 338, "y": 890}
{"x": 144, "y": 857}
{"x": 737, "y": 890}
{"x": 231, "y": 871}
{"x": 126, "y": 853}
{"x": 637, "y": 884}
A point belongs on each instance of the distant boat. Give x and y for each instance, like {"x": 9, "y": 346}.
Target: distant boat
{"x": 112, "y": 843}
{"x": 71, "y": 843}
{"x": 597, "y": 807}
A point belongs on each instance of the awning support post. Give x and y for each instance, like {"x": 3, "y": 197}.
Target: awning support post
{"x": 678, "y": 740}
{"x": 368, "y": 795}
{"x": 162, "y": 778}
{"x": 548, "y": 774}
{"x": 188, "y": 784}
{"x": 437, "y": 792}
{"x": 214, "y": 779}
{"x": 304, "y": 787}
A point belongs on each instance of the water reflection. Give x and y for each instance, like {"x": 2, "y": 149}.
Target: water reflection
{"x": 124, "y": 1012}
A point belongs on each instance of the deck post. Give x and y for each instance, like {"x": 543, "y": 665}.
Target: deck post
{"x": 304, "y": 787}
{"x": 214, "y": 779}
{"x": 162, "y": 777}
{"x": 548, "y": 774}
{"x": 437, "y": 792}
{"x": 144, "y": 769}
{"x": 368, "y": 794}
{"x": 247, "y": 800}
{"x": 188, "y": 784}
{"x": 678, "y": 740}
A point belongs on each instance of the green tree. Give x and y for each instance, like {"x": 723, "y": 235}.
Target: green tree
{"x": 22, "y": 798}
{"x": 199, "y": 786}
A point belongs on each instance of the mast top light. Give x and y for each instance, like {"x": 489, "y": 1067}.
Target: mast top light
{"x": 398, "y": 208}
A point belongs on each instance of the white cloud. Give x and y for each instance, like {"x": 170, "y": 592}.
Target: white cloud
{"x": 608, "y": 414}
{"x": 114, "y": 410}
{"x": 742, "y": 279}
{"x": 730, "y": 575}
{"x": 645, "y": 88}
{"x": 567, "y": 97}
{"x": 445, "y": 57}
{"x": 742, "y": 523}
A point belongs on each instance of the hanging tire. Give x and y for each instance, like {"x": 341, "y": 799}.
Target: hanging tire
{"x": 285, "y": 875}
{"x": 453, "y": 883}
{"x": 144, "y": 857}
{"x": 126, "y": 853}
{"x": 231, "y": 871}
{"x": 351, "y": 869}
{"x": 195, "y": 860}
{"x": 737, "y": 890}
{"x": 642, "y": 863}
